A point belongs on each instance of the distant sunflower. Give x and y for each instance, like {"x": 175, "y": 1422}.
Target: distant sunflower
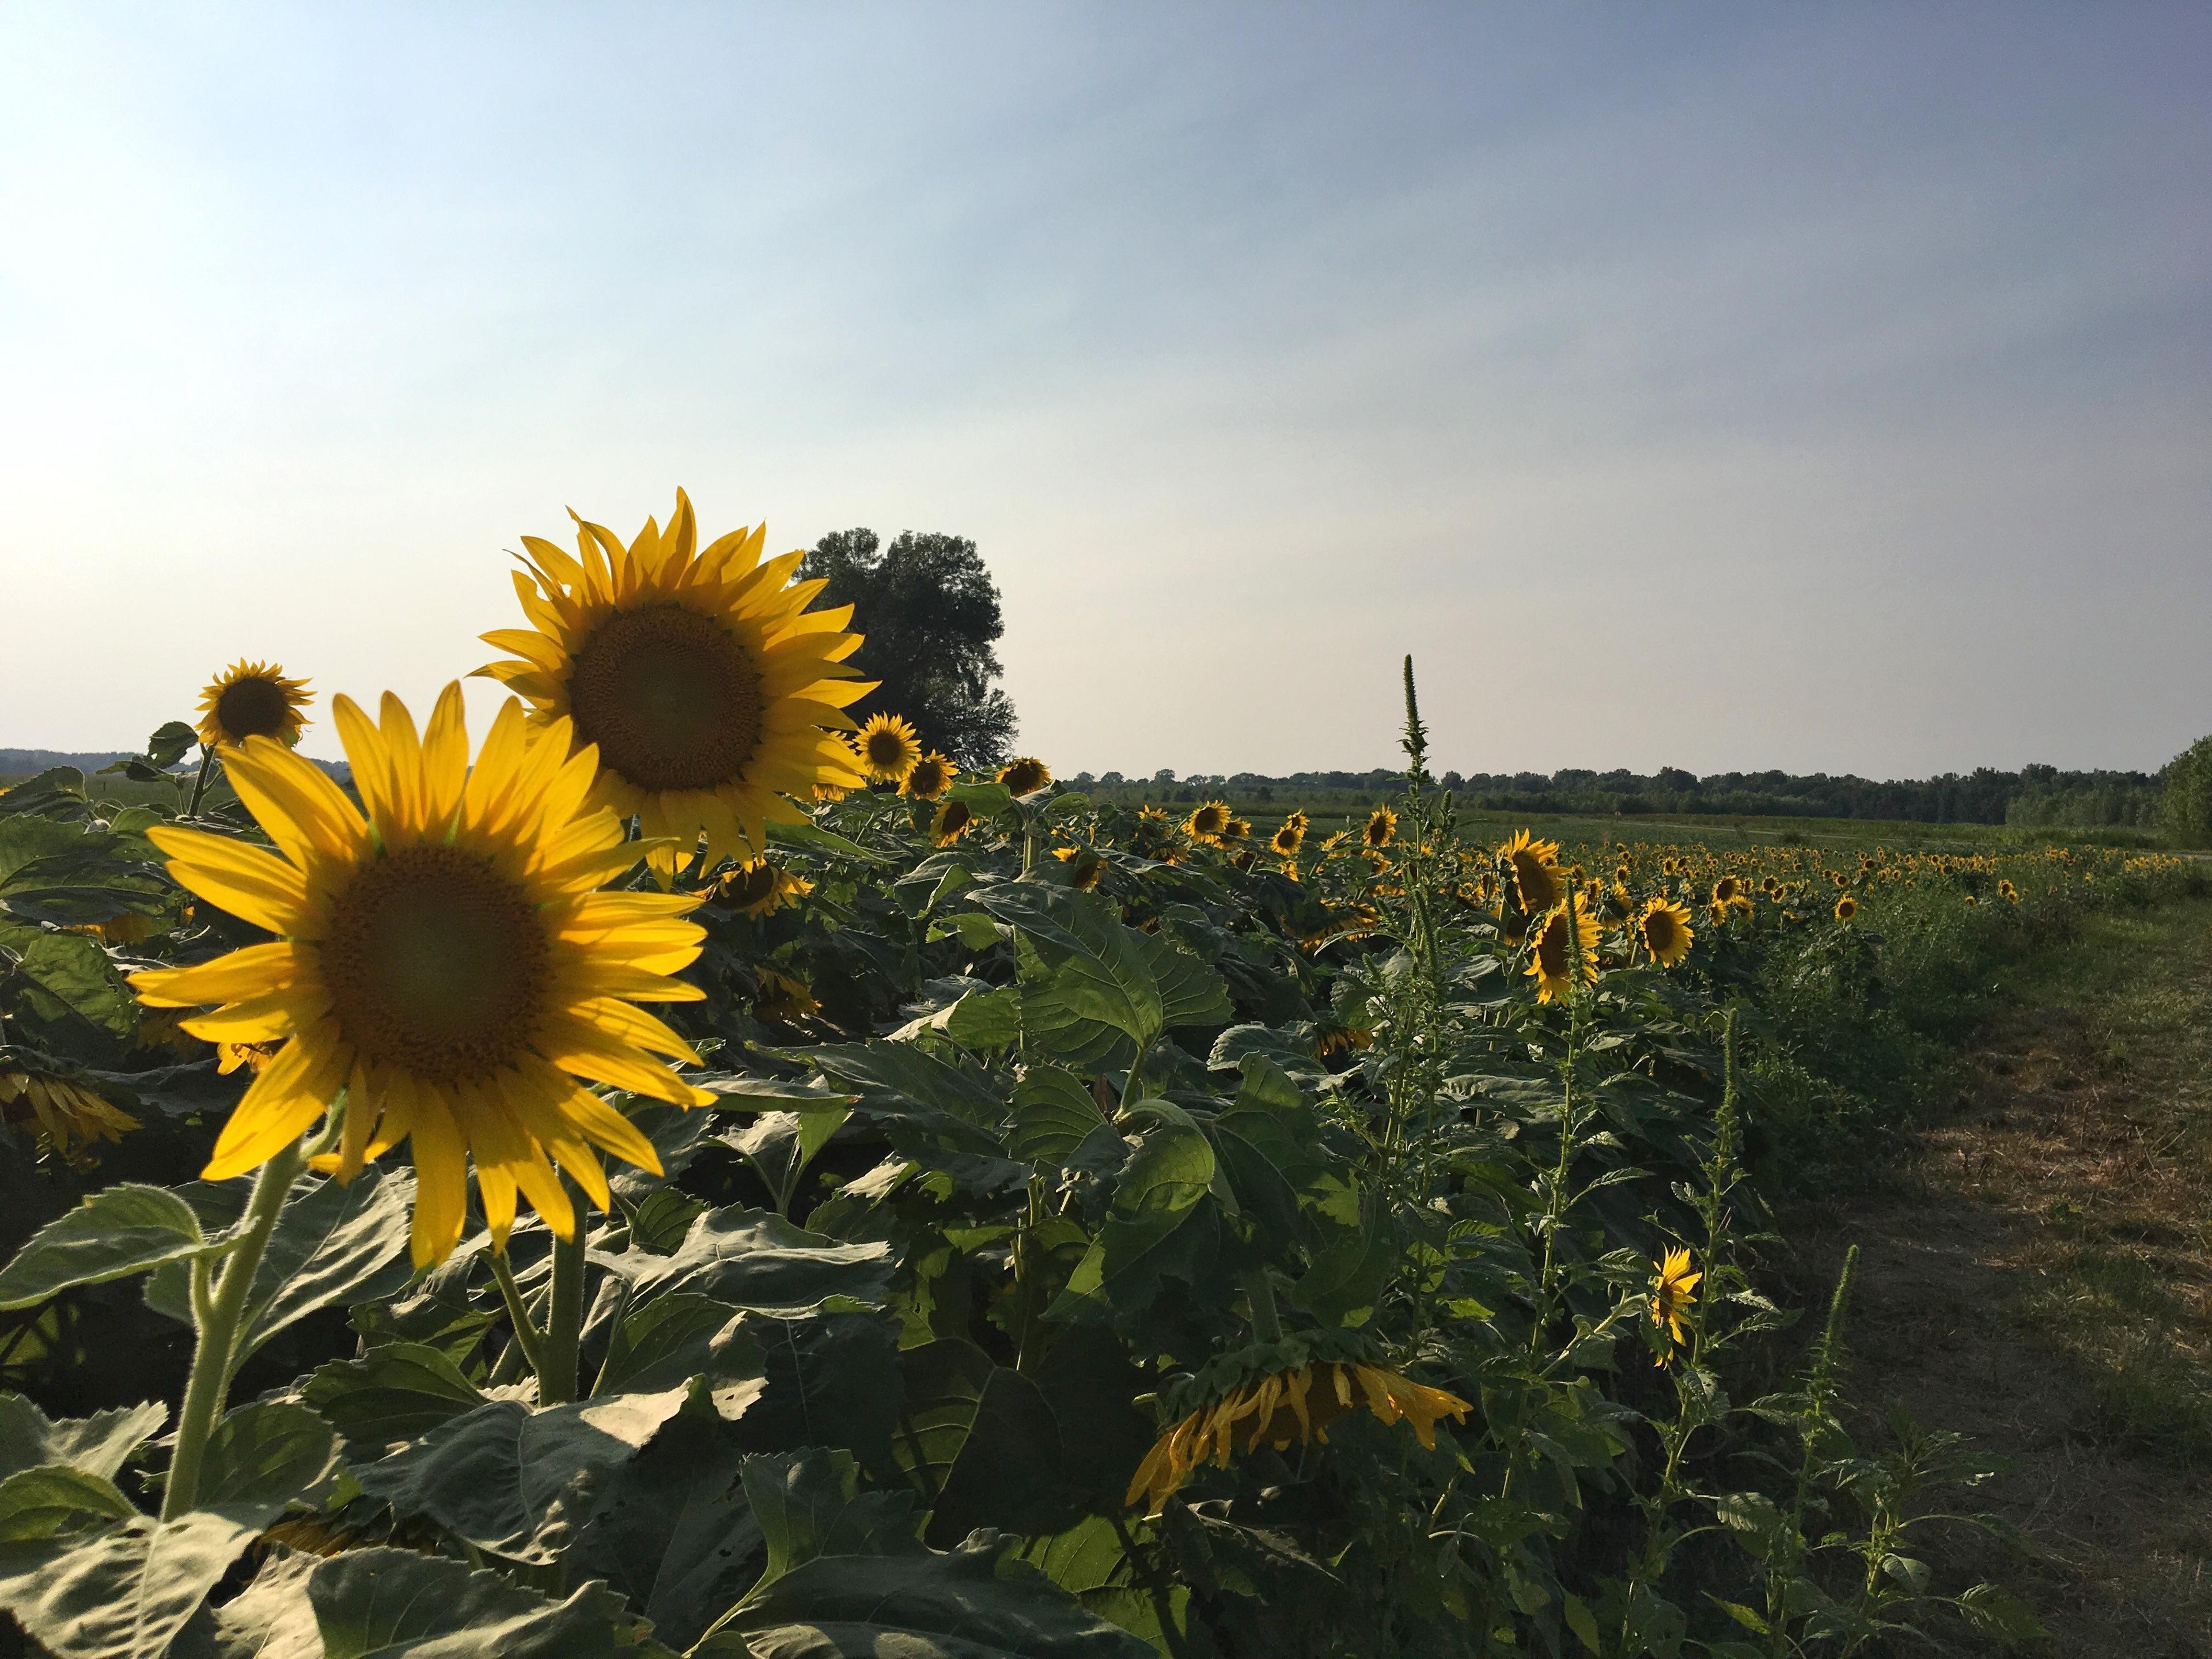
{"x": 1024, "y": 776}
{"x": 709, "y": 691}
{"x": 1236, "y": 829}
{"x": 1085, "y": 867}
{"x": 2007, "y": 892}
{"x": 950, "y": 823}
{"x": 932, "y": 776}
{"x": 1664, "y": 928}
{"x": 1674, "y": 1288}
{"x": 1287, "y": 840}
{"x": 760, "y": 889}
{"x": 1536, "y": 872}
{"x": 445, "y": 962}
{"x": 889, "y": 748}
{"x": 1564, "y": 955}
{"x": 1208, "y": 822}
{"x": 252, "y": 700}
{"x": 1382, "y": 827}
{"x": 65, "y": 1117}
{"x": 1726, "y": 888}
{"x": 784, "y": 997}
{"x": 1283, "y": 1408}
{"x": 1846, "y": 908}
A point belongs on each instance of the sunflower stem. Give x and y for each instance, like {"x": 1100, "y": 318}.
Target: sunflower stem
{"x": 200, "y": 783}
{"x": 525, "y": 1330}
{"x": 1266, "y": 1324}
{"x": 564, "y": 1320}
{"x": 216, "y": 1352}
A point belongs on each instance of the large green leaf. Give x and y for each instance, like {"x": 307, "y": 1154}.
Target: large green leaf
{"x": 116, "y": 1233}
{"x": 780, "y": 1145}
{"x": 24, "y": 841}
{"x": 1054, "y": 1113}
{"x": 808, "y": 1504}
{"x": 756, "y": 1259}
{"x": 899, "y": 1083}
{"x": 395, "y": 1604}
{"x": 1161, "y": 1185}
{"x": 65, "y": 987}
{"x": 93, "y": 1445}
{"x": 264, "y": 1457}
{"x": 92, "y": 878}
{"x": 674, "y": 1338}
{"x": 396, "y": 1392}
{"x": 673, "y": 1530}
{"x": 832, "y": 1380}
{"x": 515, "y": 1481}
{"x": 332, "y": 1243}
{"x": 1088, "y": 1561}
{"x": 982, "y": 1443}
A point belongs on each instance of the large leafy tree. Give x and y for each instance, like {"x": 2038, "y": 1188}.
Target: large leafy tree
{"x": 929, "y": 613}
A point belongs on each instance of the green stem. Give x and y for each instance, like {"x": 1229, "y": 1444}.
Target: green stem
{"x": 200, "y": 783}
{"x": 1266, "y": 1324}
{"x": 526, "y": 1331}
{"x": 564, "y": 1320}
{"x": 216, "y": 1353}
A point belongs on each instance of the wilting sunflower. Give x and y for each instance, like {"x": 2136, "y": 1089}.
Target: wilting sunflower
{"x": 1664, "y": 928}
{"x": 784, "y": 997}
{"x": 1085, "y": 867}
{"x": 1846, "y": 908}
{"x": 445, "y": 961}
{"x": 708, "y": 687}
{"x": 932, "y": 776}
{"x": 1536, "y": 873}
{"x": 252, "y": 700}
{"x": 1024, "y": 776}
{"x": 1283, "y": 1407}
{"x": 889, "y": 748}
{"x": 950, "y": 823}
{"x": 1208, "y": 822}
{"x": 760, "y": 889}
{"x": 1382, "y": 829}
{"x": 66, "y": 1117}
{"x": 1673, "y": 1288}
{"x": 1564, "y": 955}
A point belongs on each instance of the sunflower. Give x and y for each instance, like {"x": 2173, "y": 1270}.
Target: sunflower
{"x": 1382, "y": 827}
{"x": 760, "y": 889}
{"x": 1725, "y": 890}
{"x": 1024, "y": 776}
{"x": 1085, "y": 867}
{"x": 950, "y": 823}
{"x": 66, "y": 1117}
{"x": 1673, "y": 1288}
{"x": 1208, "y": 822}
{"x": 128, "y": 928}
{"x": 253, "y": 1056}
{"x": 784, "y": 997}
{"x": 699, "y": 674}
{"x": 1564, "y": 954}
{"x": 252, "y": 700}
{"x": 1535, "y": 871}
{"x": 932, "y": 776}
{"x": 1664, "y": 928}
{"x": 1287, "y": 840}
{"x": 1846, "y": 908}
{"x": 445, "y": 963}
{"x": 889, "y": 748}
{"x": 1236, "y": 829}
{"x": 1283, "y": 1407}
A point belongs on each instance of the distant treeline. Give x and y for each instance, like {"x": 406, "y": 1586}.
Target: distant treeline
{"x": 2034, "y": 797}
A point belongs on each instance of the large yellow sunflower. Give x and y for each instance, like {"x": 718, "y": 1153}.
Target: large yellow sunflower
{"x": 445, "y": 963}
{"x": 1291, "y": 836}
{"x": 932, "y": 776}
{"x": 1025, "y": 777}
{"x": 709, "y": 687}
{"x": 1664, "y": 928}
{"x": 1208, "y": 822}
{"x": 252, "y": 700}
{"x": 1674, "y": 1288}
{"x": 1564, "y": 955}
{"x": 889, "y": 748}
{"x": 1536, "y": 871}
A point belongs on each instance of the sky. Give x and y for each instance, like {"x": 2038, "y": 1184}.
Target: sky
{"x": 1826, "y": 388}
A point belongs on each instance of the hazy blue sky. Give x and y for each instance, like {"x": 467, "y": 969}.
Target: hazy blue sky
{"x": 1822, "y": 387}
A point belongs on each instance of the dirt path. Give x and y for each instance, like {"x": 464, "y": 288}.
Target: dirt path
{"x": 2037, "y": 1275}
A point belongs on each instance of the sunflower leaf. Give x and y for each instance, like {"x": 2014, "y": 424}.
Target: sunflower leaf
{"x": 395, "y": 1604}
{"x": 92, "y": 1445}
{"x": 125, "y": 1229}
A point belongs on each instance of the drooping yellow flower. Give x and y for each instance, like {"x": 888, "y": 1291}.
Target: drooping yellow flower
{"x": 761, "y": 889}
{"x": 66, "y": 1117}
{"x": 1536, "y": 874}
{"x": 889, "y": 748}
{"x": 1664, "y": 928}
{"x": 932, "y": 776}
{"x": 252, "y": 700}
{"x": 1025, "y": 777}
{"x": 709, "y": 691}
{"x": 784, "y": 997}
{"x": 1085, "y": 867}
{"x": 1382, "y": 827}
{"x": 1674, "y": 1288}
{"x": 1208, "y": 822}
{"x": 127, "y": 928}
{"x": 1846, "y": 908}
{"x": 950, "y": 823}
{"x": 1283, "y": 1408}
{"x": 1564, "y": 955}
{"x": 445, "y": 962}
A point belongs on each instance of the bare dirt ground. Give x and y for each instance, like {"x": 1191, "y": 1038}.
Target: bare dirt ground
{"x": 2036, "y": 1273}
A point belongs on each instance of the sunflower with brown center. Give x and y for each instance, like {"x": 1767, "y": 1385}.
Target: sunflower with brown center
{"x": 708, "y": 689}
{"x": 1025, "y": 777}
{"x": 760, "y": 889}
{"x": 1536, "y": 876}
{"x": 252, "y": 700}
{"x": 445, "y": 961}
{"x": 932, "y": 776}
{"x": 1208, "y": 822}
{"x": 1664, "y": 929}
{"x": 950, "y": 823}
{"x": 1382, "y": 829}
{"x": 889, "y": 748}
{"x": 1846, "y": 908}
{"x": 1564, "y": 954}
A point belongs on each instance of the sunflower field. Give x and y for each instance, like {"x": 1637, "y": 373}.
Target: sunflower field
{"x": 685, "y": 1176}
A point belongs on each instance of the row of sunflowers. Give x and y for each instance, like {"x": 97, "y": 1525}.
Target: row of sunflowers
{"x": 691, "y": 1174}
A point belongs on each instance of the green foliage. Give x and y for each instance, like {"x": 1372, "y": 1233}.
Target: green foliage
{"x": 2185, "y": 804}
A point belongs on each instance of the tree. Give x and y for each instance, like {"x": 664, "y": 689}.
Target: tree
{"x": 928, "y": 613}
{"x": 2185, "y": 807}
